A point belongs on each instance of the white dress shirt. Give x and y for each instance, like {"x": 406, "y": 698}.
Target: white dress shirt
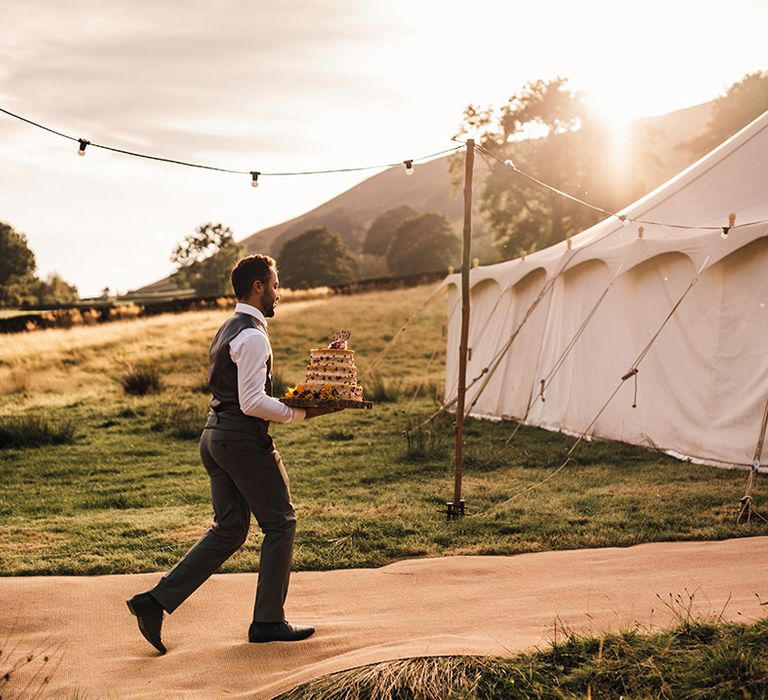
{"x": 250, "y": 350}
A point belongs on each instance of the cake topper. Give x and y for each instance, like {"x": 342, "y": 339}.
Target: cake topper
{"x": 340, "y": 339}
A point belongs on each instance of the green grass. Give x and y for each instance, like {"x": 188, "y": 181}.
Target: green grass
{"x": 694, "y": 659}
{"x": 128, "y": 493}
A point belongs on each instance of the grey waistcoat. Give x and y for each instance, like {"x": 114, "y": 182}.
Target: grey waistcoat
{"x": 225, "y": 413}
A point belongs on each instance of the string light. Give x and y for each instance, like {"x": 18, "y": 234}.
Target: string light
{"x": 731, "y": 224}
{"x": 83, "y": 143}
{"x": 640, "y": 231}
{"x": 623, "y": 218}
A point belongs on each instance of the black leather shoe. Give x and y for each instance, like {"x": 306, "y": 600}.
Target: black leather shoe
{"x": 149, "y": 613}
{"x": 278, "y": 632}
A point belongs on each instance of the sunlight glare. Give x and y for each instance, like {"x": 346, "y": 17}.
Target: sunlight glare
{"x": 616, "y": 115}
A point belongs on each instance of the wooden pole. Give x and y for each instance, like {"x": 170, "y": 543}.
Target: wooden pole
{"x": 456, "y": 509}
{"x": 747, "y": 508}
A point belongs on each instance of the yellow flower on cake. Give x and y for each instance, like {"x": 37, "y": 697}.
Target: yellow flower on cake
{"x": 326, "y": 392}
{"x": 293, "y": 392}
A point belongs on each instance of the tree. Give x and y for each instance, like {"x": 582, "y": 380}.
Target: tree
{"x": 424, "y": 244}
{"x": 744, "y": 101}
{"x": 205, "y": 260}
{"x": 52, "y": 290}
{"x": 547, "y": 131}
{"x": 380, "y": 232}
{"x": 315, "y": 258}
{"x": 17, "y": 265}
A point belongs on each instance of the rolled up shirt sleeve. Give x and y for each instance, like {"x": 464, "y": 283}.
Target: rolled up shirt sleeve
{"x": 250, "y": 351}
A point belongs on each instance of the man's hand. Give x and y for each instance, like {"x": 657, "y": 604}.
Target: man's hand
{"x": 312, "y": 412}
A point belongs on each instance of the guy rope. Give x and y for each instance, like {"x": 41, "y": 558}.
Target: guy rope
{"x": 632, "y": 372}
{"x": 747, "y": 508}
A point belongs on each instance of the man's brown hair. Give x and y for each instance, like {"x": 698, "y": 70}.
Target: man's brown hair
{"x": 248, "y": 270}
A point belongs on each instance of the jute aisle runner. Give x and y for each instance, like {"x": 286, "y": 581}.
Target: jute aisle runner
{"x": 451, "y": 605}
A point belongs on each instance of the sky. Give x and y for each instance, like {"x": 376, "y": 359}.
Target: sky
{"x": 283, "y": 85}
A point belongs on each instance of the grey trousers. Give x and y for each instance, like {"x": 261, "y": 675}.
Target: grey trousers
{"x": 244, "y": 479}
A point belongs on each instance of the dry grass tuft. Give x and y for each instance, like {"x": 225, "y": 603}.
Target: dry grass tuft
{"x": 380, "y": 389}
{"x": 141, "y": 380}
{"x": 34, "y": 431}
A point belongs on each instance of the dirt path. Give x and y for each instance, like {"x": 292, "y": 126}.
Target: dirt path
{"x": 451, "y": 605}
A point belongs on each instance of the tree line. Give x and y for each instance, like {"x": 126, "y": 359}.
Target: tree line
{"x": 401, "y": 240}
{"x": 548, "y": 130}
{"x": 19, "y": 283}
{"x": 545, "y": 129}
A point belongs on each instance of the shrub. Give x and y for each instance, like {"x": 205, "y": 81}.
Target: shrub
{"x": 124, "y": 311}
{"x": 141, "y": 379}
{"x": 62, "y": 318}
{"x": 35, "y": 430}
{"x": 91, "y": 317}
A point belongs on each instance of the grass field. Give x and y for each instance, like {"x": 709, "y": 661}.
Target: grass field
{"x": 114, "y": 484}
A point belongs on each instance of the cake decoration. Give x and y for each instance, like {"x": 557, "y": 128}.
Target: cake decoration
{"x": 340, "y": 340}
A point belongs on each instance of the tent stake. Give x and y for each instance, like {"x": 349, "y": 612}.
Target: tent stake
{"x": 455, "y": 508}
{"x": 746, "y": 506}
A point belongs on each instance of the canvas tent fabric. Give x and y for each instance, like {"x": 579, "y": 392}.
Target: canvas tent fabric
{"x": 581, "y": 314}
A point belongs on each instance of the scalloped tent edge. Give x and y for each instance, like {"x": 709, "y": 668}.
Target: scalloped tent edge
{"x": 701, "y": 386}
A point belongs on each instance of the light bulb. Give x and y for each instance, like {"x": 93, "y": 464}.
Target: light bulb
{"x": 408, "y": 167}
{"x": 83, "y": 144}
{"x": 255, "y": 178}
{"x": 510, "y": 163}
{"x": 724, "y": 233}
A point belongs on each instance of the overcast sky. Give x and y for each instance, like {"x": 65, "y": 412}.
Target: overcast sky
{"x": 288, "y": 85}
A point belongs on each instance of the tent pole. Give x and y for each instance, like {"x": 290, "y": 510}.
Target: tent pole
{"x": 455, "y": 509}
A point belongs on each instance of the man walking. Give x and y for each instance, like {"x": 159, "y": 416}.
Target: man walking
{"x": 246, "y": 472}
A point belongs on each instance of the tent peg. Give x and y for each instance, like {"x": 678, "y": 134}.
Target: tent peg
{"x": 455, "y": 511}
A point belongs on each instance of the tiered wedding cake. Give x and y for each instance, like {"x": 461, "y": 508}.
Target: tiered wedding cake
{"x": 331, "y": 375}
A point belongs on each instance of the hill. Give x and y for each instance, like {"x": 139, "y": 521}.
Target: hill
{"x": 432, "y": 189}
